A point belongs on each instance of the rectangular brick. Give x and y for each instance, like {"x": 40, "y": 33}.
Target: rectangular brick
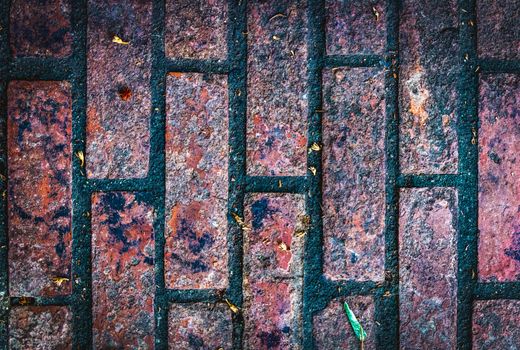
{"x": 496, "y": 325}
{"x": 196, "y": 29}
{"x": 277, "y": 88}
{"x": 355, "y": 27}
{"x": 40, "y": 28}
{"x": 123, "y": 284}
{"x": 273, "y": 264}
{"x": 429, "y": 66}
{"x": 196, "y": 181}
{"x": 118, "y": 81}
{"x": 499, "y": 178}
{"x": 428, "y": 268}
{"x": 39, "y": 187}
{"x": 354, "y": 173}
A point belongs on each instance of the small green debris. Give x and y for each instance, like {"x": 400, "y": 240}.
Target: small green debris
{"x": 356, "y": 326}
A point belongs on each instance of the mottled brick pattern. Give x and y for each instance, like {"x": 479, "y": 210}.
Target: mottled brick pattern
{"x": 496, "y": 324}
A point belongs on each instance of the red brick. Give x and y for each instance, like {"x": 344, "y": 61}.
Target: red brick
{"x": 39, "y": 192}
{"x": 428, "y": 76}
{"x": 332, "y": 329}
{"x": 40, "y": 327}
{"x": 496, "y": 325}
{"x": 40, "y": 28}
{"x": 355, "y": 27}
{"x": 273, "y": 265}
{"x": 122, "y": 271}
{"x": 118, "y": 80}
{"x": 277, "y": 88}
{"x": 499, "y": 178}
{"x": 354, "y": 173}
{"x": 196, "y": 181}
{"x": 196, "y": 29}
{"x": 428, "y": 268}
{"x": 200, "y": 326}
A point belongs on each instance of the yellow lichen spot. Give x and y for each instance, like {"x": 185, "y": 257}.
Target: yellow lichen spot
{"x": 81, "y": 158}
{"x": 232, "y": 306}
{"x": 240, "y": 222}
{"x": 279, "y": 183}
{"x": 313, "y": 170}
{"x": 276, "y": 37}
{"x": 283, "y": 247}
{"x": 119, "y": 41}
{"x": 376, "y": 13}
{"x": 60, "y": 280}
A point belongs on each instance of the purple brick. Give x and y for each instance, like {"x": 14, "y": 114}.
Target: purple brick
{"x": 496, "y": 325}
{"x": 499, "y": 178}
{"x": 196, "y": 181}
{"x": 354, "y": 173}
{"x": 196, "y": 29}
{"x": 355, "y": 27}
{"x": 428, "y": 268}
{"x": 277, "y": 88}
{"x": 40, "y": 28}
{"x": 39, "y": 187}
{"x": 40, "y": 327}
{"x": 429, "y": 61}
{"x": 200, "y": 326}
{"x": 118, "y": 81}
{"x": 122, "y": 271}
{"x": 332, "y": 328}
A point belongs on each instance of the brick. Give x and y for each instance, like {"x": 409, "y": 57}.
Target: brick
{"x": 200, "y": 326}
{"x": 354, "y": 173}
{"x": 277, "y": 88}
{"x": 196, "y": 29}
{"x": 122, "y": 271}
{"x": 196, "y": 181}
{"x": 39, "y": 187}
{"x": 428, "y": 268}
{"x": 332, "y": 329}
{"x": 499, "y": 178}
{"x": 498, "y": 29}
{"x": 40, "y": 28}
{"x": 495, "y": 324}
{"x": 355, "y": 27}
{"x": 40, "y": 327}
{"x": 118, "y": 81}
{"x": 428, "y": 76}
{"x": 273, "y": 265}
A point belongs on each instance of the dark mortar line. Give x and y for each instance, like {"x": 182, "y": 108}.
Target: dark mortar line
{"x": 193, "y": 295}
{"x": 122, "y": 185}
{"x": 497, "y": 290}
{"x": 353, "y": 61}
{"x": 343, "y": 288}
{"x": 61, "y": 300}
{"x": 488, "y": 65}
{"x": 40, "y": 68}
{"x": 276, "y": 184}
{"x": 430, "y": 180}
{"x": 197, "y": 66}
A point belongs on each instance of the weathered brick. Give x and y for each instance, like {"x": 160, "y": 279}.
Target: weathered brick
{"x": 427, "y": 86}
{"x": 332, "y": 329}
{"x": 277, "y": 88}
{"x": 354, "y": 173}
{"x": 355, "y": 27}
{"x": 196, "y": 181}
{"x": 496, "y": 325}
{"x": 122, "y": 271}
{"x": 40, "y": 28}
{"x": 428, "y": 268}
{"x": 118, "y": 80}
{"x": 40, "y": 327}
{"x": 39, "y": 187}
{"x": 196, "y": 29}
{"x": 499, "y": 178}
{"x": 200, "y": 326}
{"x": 273, "y": 265}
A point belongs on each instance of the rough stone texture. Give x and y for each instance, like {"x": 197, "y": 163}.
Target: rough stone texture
{"x": 196, "y": 29}
{"x": 499, "y": 178}
{"x": 118, "y": 79}
{"x": 496, "y": 324}
{"x": 354, "y": 173}
{"x": 331, "y": 325}
{"x": 277, "y": 88}
{"x": 199, "y": 326}
{"x": 427, "y": 86}
{"x": 428, "y": 268}
{"x": 355, "y": 27}
{"x": 39, "y": 203}
{"x": 40, "y": 28}
{"x": 196, "y": 181}
{"x": 498, "y": 29}
{"x": 40, "y": 327}
{"x": 273, "y": 251}
{"x": 122, "y": 271}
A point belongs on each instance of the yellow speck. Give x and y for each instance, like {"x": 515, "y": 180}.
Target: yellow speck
{"x": 60, "y": 280}
{"x": 313, "y": 170}
{"x": 280, "y": 183}
{"x": 120, "y": 41}
{"x": 376, "y": 13}
{"x": 232, "y": 306}
{"x": 276, "y": 37}
{"x": 81, "y": 158}
{"x": 314, "y": 147}
{"x": 240, "y": 222}
{"x": 283, "y": 246}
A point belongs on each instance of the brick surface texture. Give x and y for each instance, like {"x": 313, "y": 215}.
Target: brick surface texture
{"x": 229, "y": 174}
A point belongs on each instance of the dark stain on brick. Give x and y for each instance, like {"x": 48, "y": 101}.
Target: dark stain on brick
{"x": 260, "y": 210}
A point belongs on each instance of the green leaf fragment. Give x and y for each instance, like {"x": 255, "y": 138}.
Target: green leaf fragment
{"x": 356, "y": 326}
